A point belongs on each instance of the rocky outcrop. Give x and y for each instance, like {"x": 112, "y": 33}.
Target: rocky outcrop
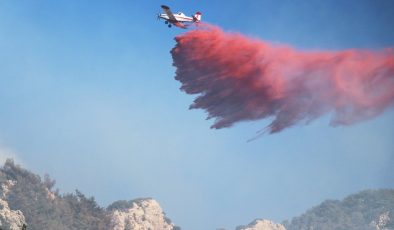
{"x": 262, "y": 225}
{"x": 5, "y": 188}
{"x": 143, "y": 214}
{"x": 50, "y": 195}
{"x": 9, "y": 219}
{"x": 23, "y": 191}
{"x": 381, "y": 221}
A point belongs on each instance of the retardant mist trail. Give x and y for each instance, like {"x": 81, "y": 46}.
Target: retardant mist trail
{"x": 238, "y": 78}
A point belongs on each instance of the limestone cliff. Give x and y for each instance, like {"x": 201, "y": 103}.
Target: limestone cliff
{"x": 9, "y": 219}
{"x": 142, "y": 214}
{"x": 381, "y": 222}
{"x": 262, "y": 225}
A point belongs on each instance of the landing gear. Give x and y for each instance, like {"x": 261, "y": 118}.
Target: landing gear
{"x": 169, "y": 25}
{"x": 166, "y": 22}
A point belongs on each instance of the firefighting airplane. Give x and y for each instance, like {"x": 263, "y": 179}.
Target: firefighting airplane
{"x": 179, "y": 19}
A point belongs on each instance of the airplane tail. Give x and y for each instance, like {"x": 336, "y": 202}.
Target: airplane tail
{"x": 197, "y": 17}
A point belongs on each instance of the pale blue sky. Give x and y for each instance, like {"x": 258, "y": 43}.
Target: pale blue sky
{"x": 88, "y": 95}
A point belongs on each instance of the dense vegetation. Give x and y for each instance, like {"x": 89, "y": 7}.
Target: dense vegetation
{"x": 32, "y": 196}
{"x": 360, "y": 211}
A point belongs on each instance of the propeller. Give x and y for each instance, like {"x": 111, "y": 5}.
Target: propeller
{"x": 158, "y": 16}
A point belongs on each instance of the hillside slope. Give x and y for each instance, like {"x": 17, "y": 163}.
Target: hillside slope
{"x": 366, "y": 210}
{"x": 28, "y": 200}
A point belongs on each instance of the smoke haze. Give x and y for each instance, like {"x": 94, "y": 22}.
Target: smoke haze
{"x": 238, "y": 79}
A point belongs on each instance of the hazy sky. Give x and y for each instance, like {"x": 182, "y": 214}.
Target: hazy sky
{"x": 88, "y": 95}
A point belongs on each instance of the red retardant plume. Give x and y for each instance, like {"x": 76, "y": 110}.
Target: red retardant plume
{"x": 238, "y": 78}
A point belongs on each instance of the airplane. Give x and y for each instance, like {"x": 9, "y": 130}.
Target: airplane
{"x": 179, "y": 19}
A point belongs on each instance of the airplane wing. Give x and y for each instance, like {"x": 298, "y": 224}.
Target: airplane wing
{"x": 180, "y": 25}
{"x": 169, "y": 13}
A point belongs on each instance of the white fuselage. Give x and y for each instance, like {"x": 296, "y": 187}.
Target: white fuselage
{"x": 180, "y": 17}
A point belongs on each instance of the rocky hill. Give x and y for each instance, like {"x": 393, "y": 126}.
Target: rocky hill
{"x": 366, "y": 210}
{"x": 138, "y": 214}
{"x": 29, "y": 202}
{"x": 9, "y": 219}
{"x": 262, "y": 225}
